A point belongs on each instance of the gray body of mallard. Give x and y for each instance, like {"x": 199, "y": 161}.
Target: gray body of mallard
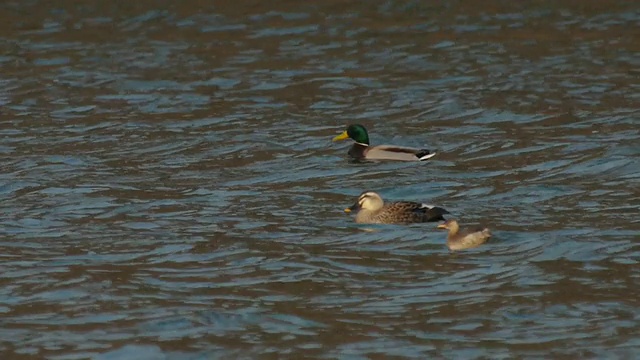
{"x": 371, "y": 209}
{"x": 389, "y": 152}
{"x": 460, "y": 240}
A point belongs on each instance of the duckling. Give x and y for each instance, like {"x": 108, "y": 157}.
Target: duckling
{"x": 372, "y": 210}
{"x": 362, "y": 150}
{"x": 457, "y": 240}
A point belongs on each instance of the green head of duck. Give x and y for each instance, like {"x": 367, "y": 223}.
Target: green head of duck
{"x": 355, "y": 132}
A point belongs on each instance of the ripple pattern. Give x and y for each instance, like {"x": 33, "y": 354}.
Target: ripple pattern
{"x": 169, "y": 189}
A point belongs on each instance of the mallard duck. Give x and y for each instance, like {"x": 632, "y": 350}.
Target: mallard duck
{"x": 362, "y": 150}
{"x": 372, "y": 210}
{"x": 460, "y": 240}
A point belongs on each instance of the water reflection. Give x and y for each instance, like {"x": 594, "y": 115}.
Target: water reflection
{"x": 169, "y": 188}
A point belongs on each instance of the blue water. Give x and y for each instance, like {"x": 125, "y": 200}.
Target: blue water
{"x": 169, "y": 188}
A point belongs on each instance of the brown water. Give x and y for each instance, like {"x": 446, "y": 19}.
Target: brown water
{"x": 169, "y": 189}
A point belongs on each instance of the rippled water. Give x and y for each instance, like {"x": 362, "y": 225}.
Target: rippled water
{"x": 169, "y": 189}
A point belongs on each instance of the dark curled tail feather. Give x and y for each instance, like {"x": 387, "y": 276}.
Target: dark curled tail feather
{"x": 436, "y": 214}
{"x": 423, "y": 152}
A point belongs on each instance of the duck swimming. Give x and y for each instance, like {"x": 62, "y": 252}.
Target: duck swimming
{"x": 361, "y": 149}
{"x": 460, "y": 240}
{"x": 371, "y": 209}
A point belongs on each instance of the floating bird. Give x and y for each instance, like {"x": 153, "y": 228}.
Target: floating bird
{"x": 371, "y": 209}
{"x": 362, "y": 150}
{"x": 460, "y": 240}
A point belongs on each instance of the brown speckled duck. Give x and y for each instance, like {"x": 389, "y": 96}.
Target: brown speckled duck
{"x": 372, "y": 210}
{"x": 362, "y": 150}
{"x": 460, "y": 240}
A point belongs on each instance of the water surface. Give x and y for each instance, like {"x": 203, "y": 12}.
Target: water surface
{"x": 169, "y": 189}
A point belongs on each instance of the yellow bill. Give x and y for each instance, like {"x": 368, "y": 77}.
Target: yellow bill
{"x": 342, "y": 136}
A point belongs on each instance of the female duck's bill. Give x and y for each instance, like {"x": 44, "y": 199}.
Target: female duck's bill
{"x": 361, "y": 149}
